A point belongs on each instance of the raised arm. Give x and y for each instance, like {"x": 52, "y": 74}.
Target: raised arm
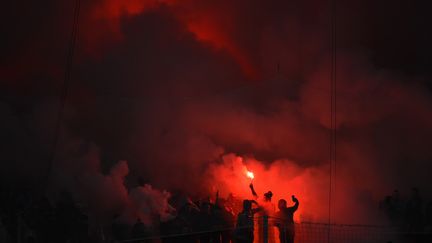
{"x": 253, "y": 190}
{"x": 296, "y": 203}
{"x": 217, "y": 198}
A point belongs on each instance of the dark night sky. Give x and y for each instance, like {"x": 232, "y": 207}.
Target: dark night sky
{"x": 171, "y": 85}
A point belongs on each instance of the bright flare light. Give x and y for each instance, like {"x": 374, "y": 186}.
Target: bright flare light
{"x": 250, "y": 174}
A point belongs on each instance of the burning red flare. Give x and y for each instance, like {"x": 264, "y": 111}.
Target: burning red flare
{"x": 250, "y": 174}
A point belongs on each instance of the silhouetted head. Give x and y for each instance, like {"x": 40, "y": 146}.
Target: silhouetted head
{"x": 268, "y": 195}
{"x": 282, "y": 204}
{"x": 247, "y": 205}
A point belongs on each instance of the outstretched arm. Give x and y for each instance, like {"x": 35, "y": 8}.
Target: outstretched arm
{"x": 253, "y": 190}
{"x": 257, "y": 209}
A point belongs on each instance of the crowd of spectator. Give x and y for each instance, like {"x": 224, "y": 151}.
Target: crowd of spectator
{"x": 410, "y": 216}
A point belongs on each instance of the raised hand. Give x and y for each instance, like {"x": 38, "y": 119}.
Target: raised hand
{"x": 253, "y": 190}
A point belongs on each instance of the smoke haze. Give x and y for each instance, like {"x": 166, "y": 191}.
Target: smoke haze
{"x": 190, "y": 93}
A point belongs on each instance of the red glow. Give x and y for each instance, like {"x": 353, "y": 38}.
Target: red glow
{"x": 103, "y": 27}
{"x": 283, "y": 178}
{"x": 208, "y": 31}
{"x": 250, "y": 175}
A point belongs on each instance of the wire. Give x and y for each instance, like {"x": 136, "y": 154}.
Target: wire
{"x": 65, "y": 90}
{"x": 333, "y": 123}
{"x": 384, "y": 229}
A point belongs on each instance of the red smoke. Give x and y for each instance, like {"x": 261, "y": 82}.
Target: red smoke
{"x": 166, "y": 95}
{"x": 283, "y": 178}
{"x": 212, "y": 24}
{"x": 289, "y": 134}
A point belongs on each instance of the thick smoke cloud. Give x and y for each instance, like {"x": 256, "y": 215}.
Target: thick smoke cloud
{"x": 180, "y": 88}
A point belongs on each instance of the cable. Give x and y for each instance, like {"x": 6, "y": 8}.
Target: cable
{"x": 333, "y": 124}
{"x": 65, "y": 90}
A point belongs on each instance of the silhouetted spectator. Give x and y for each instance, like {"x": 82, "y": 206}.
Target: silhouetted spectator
{"x": 173, "y": 227}
{"x": 387, "y": 208}
{"x": 414, "y": 212}
{"x": 186, "y": 222}
{"x": 40, "y": 217}
{"x": 414, "y": 216}
{"x": 285, "y": 220}
{"x": 119, "y": 230}
{"x": 224, "y": 221}
{"x": 268, "y": 210}
{"x": 205, "y": 222}
{"x": 139, "y": 231}
{"x": 428, "y": 222}
{"x": 385, "y": 203}
{"x": 244, "y": 232}
{"x": 392, "y": 207}
{"x": 396, "y": 208}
